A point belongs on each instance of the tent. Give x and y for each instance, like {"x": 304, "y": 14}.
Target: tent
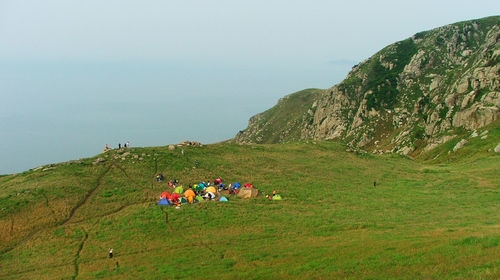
{"x": 234, "y": 189}
{"x": 218, "y": 181}
{"x": 179, "y": 190}
{"x": 248, "y": 185}
{"x": 277, "y": 197}
{"x": 223, "y": 198}
{"x": 165, "y": 195}
{"x": 209, "y": 195}
{"x": 199, "y": 187}
{"x": 248, "y": 192}
{"x": 175, "y": 198}
{"x": 189, "y": 194}
{"x": 211, "y": 189}
{"x": 163, "y": 201}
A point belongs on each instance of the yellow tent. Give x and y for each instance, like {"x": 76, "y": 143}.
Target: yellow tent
{"x": 211, "y": 189}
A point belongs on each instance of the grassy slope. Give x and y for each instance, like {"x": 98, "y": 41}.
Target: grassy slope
{"x": 423, "y": 220}
{"x": 284, "y": 121}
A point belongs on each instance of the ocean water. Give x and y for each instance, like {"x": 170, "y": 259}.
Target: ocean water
{"x": 52, "y": 112}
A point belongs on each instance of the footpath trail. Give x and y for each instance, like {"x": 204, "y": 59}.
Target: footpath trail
{"x": 84, "y": 202}
{"x": 70, "y": 216}
{"x": 66, "y": 221}
{"x": 90, "y": 193}
{"x": 70, "y": 219}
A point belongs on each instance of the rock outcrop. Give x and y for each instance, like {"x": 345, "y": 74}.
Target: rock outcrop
{"x": 411, "y": 95}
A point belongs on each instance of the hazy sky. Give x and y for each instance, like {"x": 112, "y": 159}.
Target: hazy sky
{"x": 75, "y": 75}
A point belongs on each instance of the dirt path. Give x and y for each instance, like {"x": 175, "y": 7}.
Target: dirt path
{"x": 77, "y": 256}
{"x": 75, "y": 209}
{"x": 85, "y": 201}
{"x": 72, "y": 212}
{"x": 89, "y": 194}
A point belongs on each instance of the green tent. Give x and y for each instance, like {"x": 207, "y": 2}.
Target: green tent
{"x": 277, "y": 197}
{"x": 199, "y": 187}
{"x": 179, "y": 190}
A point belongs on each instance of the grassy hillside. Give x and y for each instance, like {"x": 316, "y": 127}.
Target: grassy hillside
{"x": 283, "y": 122}
{"x": 402, "y": 99}
{"x": 435, "y": 220}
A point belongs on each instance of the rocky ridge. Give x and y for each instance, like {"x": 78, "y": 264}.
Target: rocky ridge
{"x": 411, "y": 96}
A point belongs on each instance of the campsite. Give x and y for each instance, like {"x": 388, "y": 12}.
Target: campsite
{"x": 423, "y": 220}
{"x": 217, "y": 191}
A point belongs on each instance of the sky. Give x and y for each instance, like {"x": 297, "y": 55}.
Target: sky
{"x": 76, "y": 75}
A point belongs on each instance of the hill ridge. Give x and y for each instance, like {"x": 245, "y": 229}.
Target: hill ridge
{"x": 408, "y": 98}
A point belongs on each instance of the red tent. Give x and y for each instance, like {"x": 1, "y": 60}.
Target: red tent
{"x": 165, "y": 194}
{"x": 218, "y": 181}
{"x": 175, "y": 197}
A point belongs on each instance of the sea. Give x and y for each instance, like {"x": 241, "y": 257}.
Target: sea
{"x": 57, "y": 111}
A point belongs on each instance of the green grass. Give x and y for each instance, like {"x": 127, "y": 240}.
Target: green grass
{"x": 422, "y": 221}
{"x": 284, "y": 122}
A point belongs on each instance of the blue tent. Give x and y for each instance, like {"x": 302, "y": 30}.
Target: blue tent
{"x": 223, "y": 198}
{"x": 236, "y": 185}
{"x": 163, "y": 201}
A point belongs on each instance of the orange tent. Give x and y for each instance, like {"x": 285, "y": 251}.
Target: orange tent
{"x": 190, "y": 195}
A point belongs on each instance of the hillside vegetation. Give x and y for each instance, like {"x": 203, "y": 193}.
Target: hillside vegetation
{"x": 422, "y": 220}
{"x": 392, "y": 174}
{"x": 283, "y": 122}
{"x": 408, "y": 98}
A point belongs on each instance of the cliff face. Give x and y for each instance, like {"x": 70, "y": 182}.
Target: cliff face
{"x": 411, "y": 95}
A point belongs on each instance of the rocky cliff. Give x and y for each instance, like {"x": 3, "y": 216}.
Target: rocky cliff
{"x": 408, "y": 98}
